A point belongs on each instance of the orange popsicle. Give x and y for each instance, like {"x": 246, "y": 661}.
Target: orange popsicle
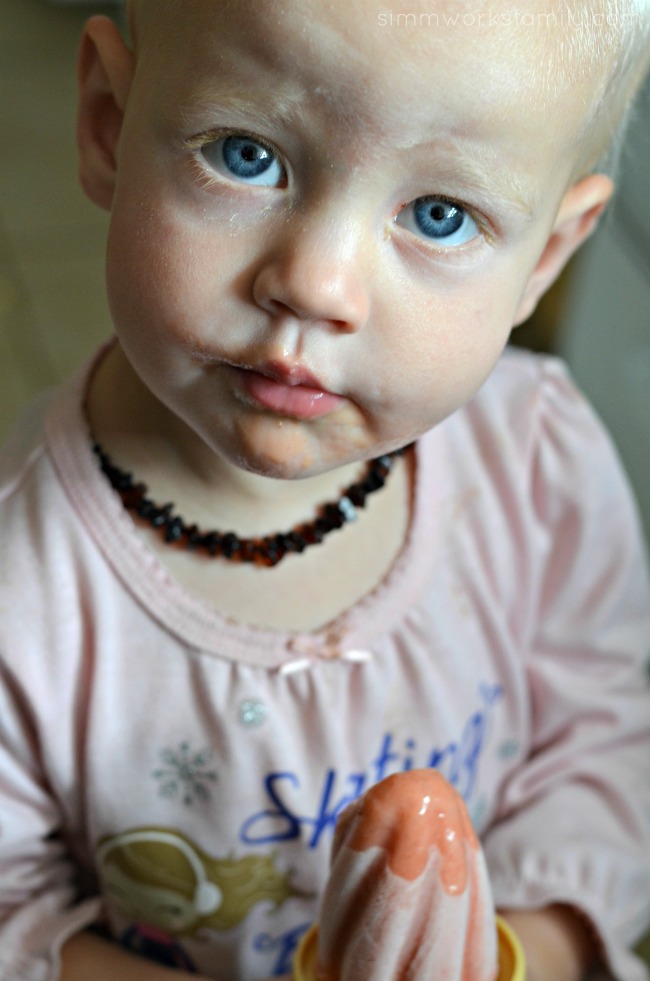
{"x": 408, "y": 898}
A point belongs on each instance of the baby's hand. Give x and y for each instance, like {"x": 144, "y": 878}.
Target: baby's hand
{"x": 558, "y": 944}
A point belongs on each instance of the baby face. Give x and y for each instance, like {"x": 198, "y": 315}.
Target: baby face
{"x": 324, "y": 224}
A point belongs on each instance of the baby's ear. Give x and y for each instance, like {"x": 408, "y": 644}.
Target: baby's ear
{"x": 577, "y": 218}
{"x": 105, "y": 70}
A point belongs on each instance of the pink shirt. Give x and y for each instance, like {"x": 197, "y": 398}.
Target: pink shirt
{"x": 178, "y": 775}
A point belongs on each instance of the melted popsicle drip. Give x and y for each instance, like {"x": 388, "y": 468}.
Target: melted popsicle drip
{"x": 409, "y": 814}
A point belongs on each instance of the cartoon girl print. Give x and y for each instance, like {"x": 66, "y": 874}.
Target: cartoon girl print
{"x": 156, "y": 945}
{"x": 156, "y": 879}
{"x": 168, "y": 887}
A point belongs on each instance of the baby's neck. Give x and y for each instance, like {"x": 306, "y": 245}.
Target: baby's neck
{"x": 303, "y": 592}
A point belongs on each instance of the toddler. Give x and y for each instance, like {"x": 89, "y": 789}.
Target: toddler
{"x": 301, "y": 525}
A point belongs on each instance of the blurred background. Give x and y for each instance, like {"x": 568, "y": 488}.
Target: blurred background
{"x": 52, "y": 307}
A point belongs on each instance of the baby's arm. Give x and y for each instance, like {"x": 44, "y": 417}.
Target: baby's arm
{"x": 89, "y": 956}
{"x": 573, "y": 822}
{"x": 37, "y": 876}
{"x": 557, "y": 944}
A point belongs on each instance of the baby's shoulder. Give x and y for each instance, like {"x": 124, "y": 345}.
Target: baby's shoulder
{"x": 533, "y": 437}
{"x": 23, "y": 449}
{"x": 42, "y": 545}
{"x": 533, "y": 443}
{"x": 524, "y": 381}
{"x": 531, "y": 401}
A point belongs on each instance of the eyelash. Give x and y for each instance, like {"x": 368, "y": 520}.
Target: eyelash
{"x": 204, "y": 141}
{"x": 482, "y": 229}
{"x": 208, "y": 170}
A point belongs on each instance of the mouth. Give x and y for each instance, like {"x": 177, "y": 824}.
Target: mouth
{"x": 287, "y": 390}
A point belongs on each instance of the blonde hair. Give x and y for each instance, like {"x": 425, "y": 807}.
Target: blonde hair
{"x": 618, "y": 38}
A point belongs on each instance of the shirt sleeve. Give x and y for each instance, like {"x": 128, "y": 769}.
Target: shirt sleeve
{"x": 38, "y": 890}
{"x": 574, "y": 818}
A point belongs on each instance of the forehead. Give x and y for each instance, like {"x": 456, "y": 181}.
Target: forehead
{"x": 471, "y": 65}
{"x": 357, "y": 37}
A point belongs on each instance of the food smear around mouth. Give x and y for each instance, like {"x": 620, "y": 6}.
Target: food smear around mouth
{"x": 408, "y": 898}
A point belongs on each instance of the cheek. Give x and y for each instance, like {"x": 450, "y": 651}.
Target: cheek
{"x": 162, "y": 275}
{"x": 448, "y": 344}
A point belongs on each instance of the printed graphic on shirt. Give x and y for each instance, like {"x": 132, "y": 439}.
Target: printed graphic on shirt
{"x": 170, "y": 891}
{"x": 156, "y": 945}
{"x": 159, "y": 877}
{"x": 184, "y": 774}
{"x": 279, "y": 951}
{"x": 285, "y": 819}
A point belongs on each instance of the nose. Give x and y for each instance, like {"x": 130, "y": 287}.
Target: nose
{"x": 313, "y": 272}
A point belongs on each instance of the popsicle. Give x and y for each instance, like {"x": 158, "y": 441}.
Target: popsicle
{"x": 408, "y": 896}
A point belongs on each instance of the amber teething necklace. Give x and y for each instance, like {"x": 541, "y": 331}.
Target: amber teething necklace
{"x": 264, "y": 551}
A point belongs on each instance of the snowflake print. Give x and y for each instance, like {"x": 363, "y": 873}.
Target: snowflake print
{"x": 184, "y": 773}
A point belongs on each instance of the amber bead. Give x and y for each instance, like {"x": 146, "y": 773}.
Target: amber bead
{"x": 267, "y": 551}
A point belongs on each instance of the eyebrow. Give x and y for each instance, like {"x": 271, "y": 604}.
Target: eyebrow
{"x": 205, "y": 97}
{"x": 467, "y": 162}
{"x": 471, "y": 166}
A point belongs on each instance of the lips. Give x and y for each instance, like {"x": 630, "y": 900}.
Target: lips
{"x": 287, "y": 390}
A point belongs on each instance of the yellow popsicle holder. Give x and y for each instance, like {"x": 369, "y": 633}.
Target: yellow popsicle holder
{"x": 512, "y": 962}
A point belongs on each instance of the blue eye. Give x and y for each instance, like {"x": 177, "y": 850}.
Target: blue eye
{"x": 441, "y": 221}
{"x": 242, "y": 158}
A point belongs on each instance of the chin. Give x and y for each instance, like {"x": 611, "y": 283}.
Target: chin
{"x": 284, "y": 449}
